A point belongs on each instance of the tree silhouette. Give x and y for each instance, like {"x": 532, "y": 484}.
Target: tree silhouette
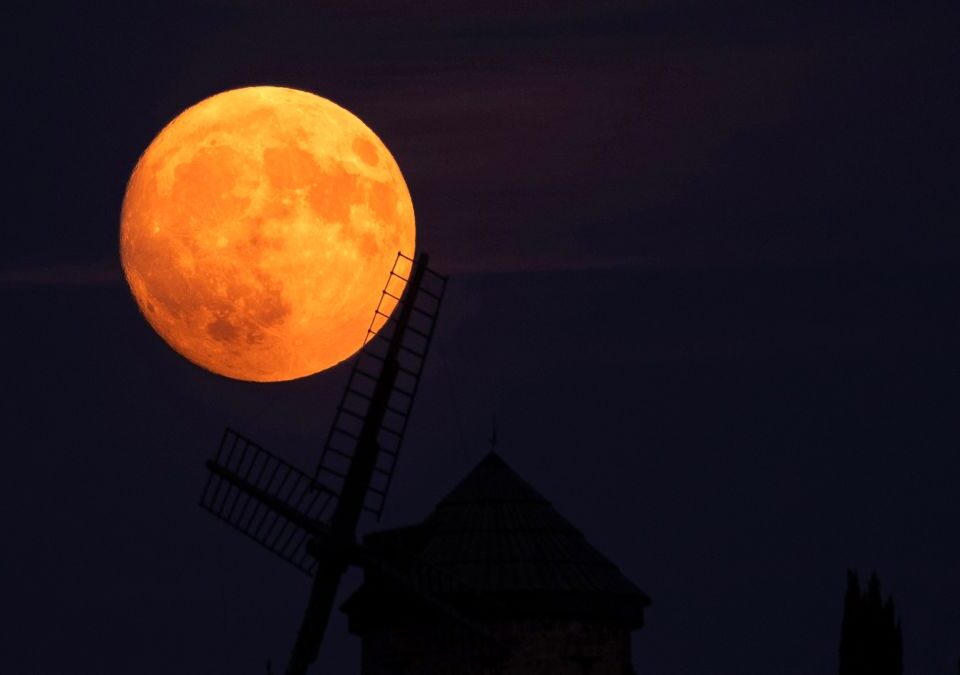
{"x": 871, "y": 641}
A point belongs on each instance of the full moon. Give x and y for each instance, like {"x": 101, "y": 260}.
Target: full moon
{"x": 258, "y": 230}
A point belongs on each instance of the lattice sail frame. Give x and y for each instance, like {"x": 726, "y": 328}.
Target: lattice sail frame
{"x": 266, "y": 498}
{"x": 352, "y": 409}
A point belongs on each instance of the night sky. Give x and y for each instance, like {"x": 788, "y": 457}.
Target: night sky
{"x": 704, "y": 271}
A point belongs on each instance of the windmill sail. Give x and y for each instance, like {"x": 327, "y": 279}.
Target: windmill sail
{"x": 269, "y": 500}
{"x": 400, "y": 332}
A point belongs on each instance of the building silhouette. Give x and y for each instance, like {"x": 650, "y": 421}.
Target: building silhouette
{"x": 502, "y": 584}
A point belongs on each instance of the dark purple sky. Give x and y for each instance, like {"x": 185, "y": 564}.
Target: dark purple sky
{"x": 704, "y": 271}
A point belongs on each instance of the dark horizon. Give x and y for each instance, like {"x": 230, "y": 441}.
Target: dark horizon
{"x": 702, "y": 270}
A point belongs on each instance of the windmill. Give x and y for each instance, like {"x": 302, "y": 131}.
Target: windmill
{"x": 308, "y": 520}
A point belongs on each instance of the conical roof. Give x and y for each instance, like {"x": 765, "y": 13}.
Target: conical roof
{"x": 494, "y": 536}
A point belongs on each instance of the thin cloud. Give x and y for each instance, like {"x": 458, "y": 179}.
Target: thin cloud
{"x": 63, "y": 274}
{"x": 521, "y": 265}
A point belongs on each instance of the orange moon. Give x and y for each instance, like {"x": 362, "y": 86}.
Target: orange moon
{"x": 258, "y": 230}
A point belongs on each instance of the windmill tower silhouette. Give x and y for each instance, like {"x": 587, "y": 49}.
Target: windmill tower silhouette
{"x": 311, "y": 521}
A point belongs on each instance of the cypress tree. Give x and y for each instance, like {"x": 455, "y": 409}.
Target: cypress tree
{"x": 871, "y": 639}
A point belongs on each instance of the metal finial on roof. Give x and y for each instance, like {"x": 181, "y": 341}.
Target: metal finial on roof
{"x": 493, "y": 435}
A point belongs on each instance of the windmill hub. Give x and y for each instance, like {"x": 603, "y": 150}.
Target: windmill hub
{"x": 327, "y": 545}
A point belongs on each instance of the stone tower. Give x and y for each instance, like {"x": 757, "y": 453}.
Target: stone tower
{"x": 536, "y": 596}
